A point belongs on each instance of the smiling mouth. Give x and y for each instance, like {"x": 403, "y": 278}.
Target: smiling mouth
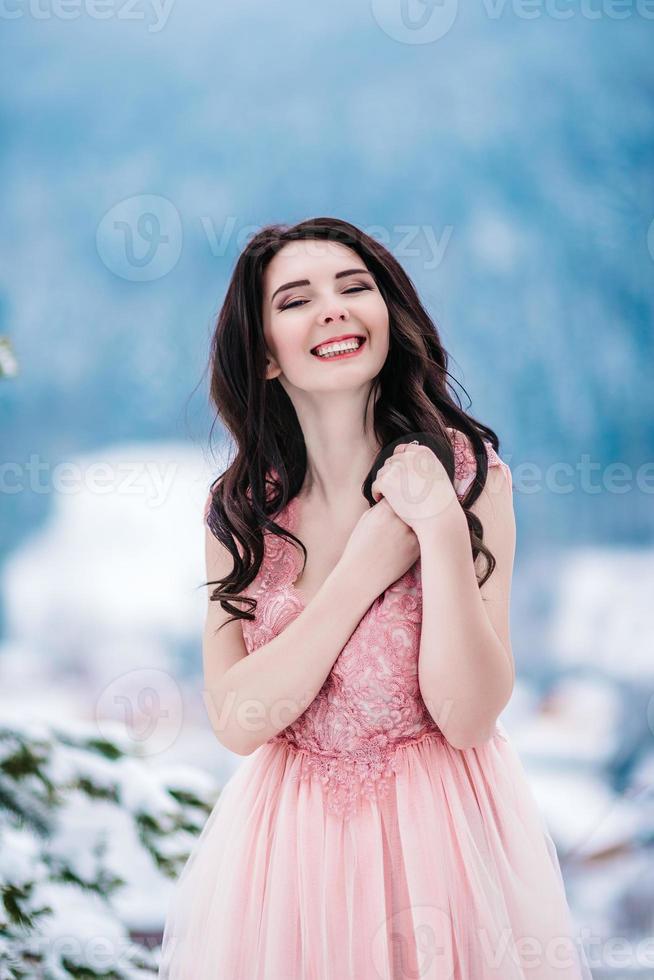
{"x": 339, "y": 349}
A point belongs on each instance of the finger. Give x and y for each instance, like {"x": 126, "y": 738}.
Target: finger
{"x": 398, "y": 457}
{"x": 404, "y": 446}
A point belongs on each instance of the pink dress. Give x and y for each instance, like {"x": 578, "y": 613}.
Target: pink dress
{"x": 358, "y": 844}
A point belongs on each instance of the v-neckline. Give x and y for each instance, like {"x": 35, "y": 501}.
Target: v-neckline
{"x": 289, "y": 522}
{"x": 288, "y": 518}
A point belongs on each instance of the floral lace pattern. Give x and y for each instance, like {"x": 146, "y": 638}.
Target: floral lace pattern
{"x": 465, "y": 464}
{"x": 353, "y": 735}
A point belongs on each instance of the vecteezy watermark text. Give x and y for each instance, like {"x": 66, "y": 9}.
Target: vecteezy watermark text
{"x": 154, "y": 479}
{"x": 154, "y": 12}
{"x": 141, "y": 237}
{"x": 149, "y": 478}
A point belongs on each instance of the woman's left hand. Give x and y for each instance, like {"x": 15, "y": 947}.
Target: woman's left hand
{"x": 416, "y": 485}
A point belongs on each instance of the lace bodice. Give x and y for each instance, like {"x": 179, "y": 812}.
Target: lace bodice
{"x": 370, "y": 705}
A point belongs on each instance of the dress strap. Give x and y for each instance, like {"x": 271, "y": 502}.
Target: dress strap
{"x": 465, "y": 462}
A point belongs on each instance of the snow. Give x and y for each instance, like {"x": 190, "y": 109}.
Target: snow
{"x": 584, "y": 815}
{"x": 186, "y": 780}
{"x": 604, "y": 614}
{"x": 19, "y": 855}
{"x": 105, "y": 605}
{"x": 576, "y": 721}
{"x": 80, "y": 927}
{"x": 115, "y": 578}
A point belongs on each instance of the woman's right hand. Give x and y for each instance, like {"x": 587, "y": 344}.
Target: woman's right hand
{"x": 381, "y": 548}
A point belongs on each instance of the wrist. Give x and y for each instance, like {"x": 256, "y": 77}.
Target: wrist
{"x": 448, "y": 526}
{"x": 355, "y": 582}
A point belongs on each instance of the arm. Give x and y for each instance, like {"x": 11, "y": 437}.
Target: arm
{"x": 252, "y": 697}
{"x": 466, "y": 668}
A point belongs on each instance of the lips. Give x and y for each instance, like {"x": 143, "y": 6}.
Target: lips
{"x": 335, "y": 340}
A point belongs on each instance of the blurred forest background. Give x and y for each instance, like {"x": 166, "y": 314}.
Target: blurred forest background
{"x": 504, "y": 152}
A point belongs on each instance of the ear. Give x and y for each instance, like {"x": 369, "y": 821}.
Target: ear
{"x": 273, "y": 369}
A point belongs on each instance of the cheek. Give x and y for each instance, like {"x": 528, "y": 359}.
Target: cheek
{"x": 289, "y": 346}
{"x": 378, "y": 317}
{"x": 380, "y": 328}
{"x": 278, "y": 341}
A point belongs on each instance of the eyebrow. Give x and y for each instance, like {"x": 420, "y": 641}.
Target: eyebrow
{"x": 307, "y": 282}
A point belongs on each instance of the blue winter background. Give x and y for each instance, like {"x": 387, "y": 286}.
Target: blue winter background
{"x": 504, "y": 152}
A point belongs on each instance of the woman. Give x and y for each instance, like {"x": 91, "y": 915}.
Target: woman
{"x": 359, "y": 656}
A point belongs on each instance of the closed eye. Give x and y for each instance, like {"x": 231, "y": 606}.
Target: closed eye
{"x": 290, "y": 306}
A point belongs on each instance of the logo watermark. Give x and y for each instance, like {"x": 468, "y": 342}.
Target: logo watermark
{"x": 149, "y": 704}
{"x": 415, "y": 21}
{"x": 140, "y": 238}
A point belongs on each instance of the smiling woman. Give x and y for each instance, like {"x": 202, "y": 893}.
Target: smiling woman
{"x": 381, "y": 801}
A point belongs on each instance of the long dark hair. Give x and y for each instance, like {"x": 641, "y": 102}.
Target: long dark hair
{"x": 270, "y": 462}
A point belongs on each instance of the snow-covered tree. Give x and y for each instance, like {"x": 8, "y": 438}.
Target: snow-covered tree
{"x": 65, "y": 794}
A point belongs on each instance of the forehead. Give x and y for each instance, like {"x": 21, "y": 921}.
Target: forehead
{"x": 308, "y": 259}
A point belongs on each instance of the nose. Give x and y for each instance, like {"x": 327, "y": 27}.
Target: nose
{"x": 334, "y": 312}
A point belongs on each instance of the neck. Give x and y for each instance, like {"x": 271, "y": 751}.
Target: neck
{"x": 340, "y": 449}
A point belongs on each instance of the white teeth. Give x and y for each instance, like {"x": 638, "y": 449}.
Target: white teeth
{"x": 330, "y": 350}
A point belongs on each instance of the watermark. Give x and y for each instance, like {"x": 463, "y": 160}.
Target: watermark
{"x": 617, "y": 952}
{"x": 421, "y": 942}
{"x": 415, "y": 482}
{"x": 419, "y": 938}
{"x": 252, "y": 716}
{"x": 415, "y": 21}
{"x": 154, "y": 479}
{"x": 148, "y": 702}
{"x": 259, "y": 719}
{"x": 405, "y": 241}
{"x": 140, "y": 238}
{"x": 150, "y": 479}
{"x": 153, "y": 12}
{"x": 566, "y": 9}
{"x": 563, "y": 951}
{"x": 427, "y": 21}
{"x": 99, "y": 953}
{"x": 589, "y": 476}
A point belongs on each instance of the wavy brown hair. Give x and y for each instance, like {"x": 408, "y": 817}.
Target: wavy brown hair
{"x": 269, "y": 467}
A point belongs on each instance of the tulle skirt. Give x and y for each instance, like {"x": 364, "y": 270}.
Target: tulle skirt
{"x": 450, "y": 874}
